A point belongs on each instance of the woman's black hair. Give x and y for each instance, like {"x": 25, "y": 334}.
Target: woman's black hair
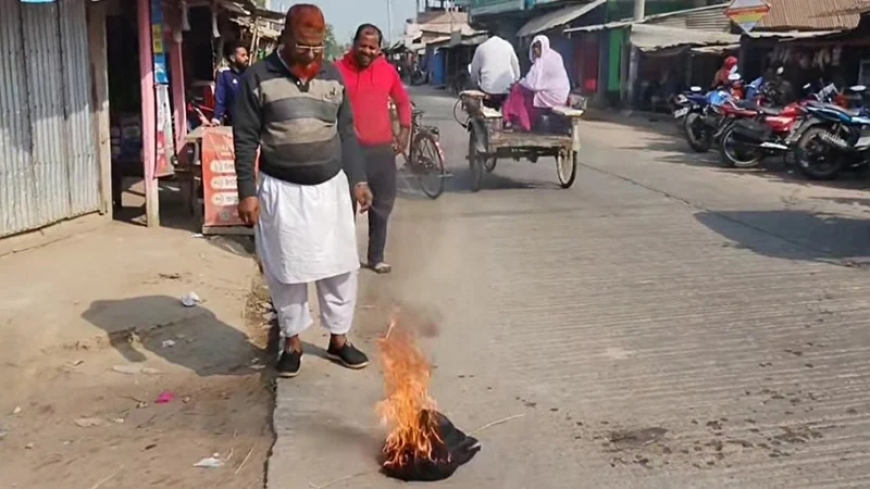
{"x": 368, "y": 28}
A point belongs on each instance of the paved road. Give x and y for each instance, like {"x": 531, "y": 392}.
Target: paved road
{"x": 663, "y": 324}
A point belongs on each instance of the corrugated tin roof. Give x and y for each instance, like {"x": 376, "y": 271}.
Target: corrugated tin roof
{"x": 466, "y": 41}
{"x": 812, "y": 14}
{"x": 557, "y": 18}
{"x": 446, "y": 29}
{"x": 654, "y": 37}
{"x": 688, "y": 17}
{"x": 600, "y": 27}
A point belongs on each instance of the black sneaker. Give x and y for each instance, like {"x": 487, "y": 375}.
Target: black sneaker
{"x": 348, "y": 355}
{"x": 289, "y": 363}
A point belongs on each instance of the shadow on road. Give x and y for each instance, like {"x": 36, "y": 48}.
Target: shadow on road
{"x": 459, "y": 182}
{"x": 793, "y": 234}
{"x": 199, "y": 340}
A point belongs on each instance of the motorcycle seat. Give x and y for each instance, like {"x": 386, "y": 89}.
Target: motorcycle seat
{"x": 850, "y": 112}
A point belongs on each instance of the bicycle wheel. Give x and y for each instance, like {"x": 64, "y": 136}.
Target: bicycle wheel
{"x": 460, "y": 114}
{"x": 428, "y": 164}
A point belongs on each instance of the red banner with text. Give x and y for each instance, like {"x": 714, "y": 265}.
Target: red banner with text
{"x": 219, "y": 178}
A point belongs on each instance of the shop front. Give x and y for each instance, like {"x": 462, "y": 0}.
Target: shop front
{"x": 162, "y": 65}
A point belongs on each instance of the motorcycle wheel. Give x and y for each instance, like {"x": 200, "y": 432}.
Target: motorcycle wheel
{"x": 817, "y": 160}
{"x": 697, "y": 136}
{"x": 738, "y": 155}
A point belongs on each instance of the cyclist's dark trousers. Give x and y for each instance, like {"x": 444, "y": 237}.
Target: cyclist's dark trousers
{"x": 381, "y": 176}
{"x": 494, "y": 101}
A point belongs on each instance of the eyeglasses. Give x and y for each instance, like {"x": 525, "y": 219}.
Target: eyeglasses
{"x": 301, "y": 48}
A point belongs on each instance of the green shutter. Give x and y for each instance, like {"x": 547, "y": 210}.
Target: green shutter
{"x": 617, "y": 39}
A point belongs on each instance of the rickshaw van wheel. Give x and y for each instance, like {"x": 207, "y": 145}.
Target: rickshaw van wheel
{"x": 566, "y": 168}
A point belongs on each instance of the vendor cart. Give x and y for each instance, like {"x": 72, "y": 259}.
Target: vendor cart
{"x": 488, "y": 140}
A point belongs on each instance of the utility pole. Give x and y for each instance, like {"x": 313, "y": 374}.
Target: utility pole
{"x": 389, "y": 23}
{"x": 634, "y": 57}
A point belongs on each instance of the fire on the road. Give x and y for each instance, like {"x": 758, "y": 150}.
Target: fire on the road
{"x": 413, "y": 436}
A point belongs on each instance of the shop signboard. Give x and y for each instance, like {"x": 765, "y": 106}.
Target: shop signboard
{"x": 220, "y": 193}
{"x": 486, "y": 7}
{"x": 747, "y": 13}
{"x": 165, "y": 136}
{"x": 161, "y": 76}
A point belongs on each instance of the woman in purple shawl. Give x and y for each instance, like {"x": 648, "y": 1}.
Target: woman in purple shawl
{"x": 545, "y": 86}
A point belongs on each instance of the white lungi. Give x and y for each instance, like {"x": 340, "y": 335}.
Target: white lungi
{"x": 307, "y": 233}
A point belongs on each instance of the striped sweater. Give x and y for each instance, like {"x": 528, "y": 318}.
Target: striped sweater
{"x": 304, "y": 131}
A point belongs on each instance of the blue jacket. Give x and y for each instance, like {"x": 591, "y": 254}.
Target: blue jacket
{"x": 227, "y": 87}
{"x": 753, "y": 88}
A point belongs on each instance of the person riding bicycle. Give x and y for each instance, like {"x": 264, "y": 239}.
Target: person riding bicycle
{"x": 494, "y": 69}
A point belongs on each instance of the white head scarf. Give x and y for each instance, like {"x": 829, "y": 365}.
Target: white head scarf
{"x": 547, "y": 77}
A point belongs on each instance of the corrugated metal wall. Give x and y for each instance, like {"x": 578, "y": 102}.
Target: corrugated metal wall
{"x": 710, "y": 20}
{"x": 17, "y": 194}
{"x": 48, "y": 152}
{"x": 84, "y": 168}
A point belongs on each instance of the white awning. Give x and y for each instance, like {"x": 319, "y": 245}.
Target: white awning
{"x": 789, "y": 34}
{"x": 648, "y": 37}
{"x": 724, "y": 48}
{"x": 557, "y": 18}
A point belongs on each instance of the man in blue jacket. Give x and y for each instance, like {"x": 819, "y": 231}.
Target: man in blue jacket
{"x": 229, "y": 80}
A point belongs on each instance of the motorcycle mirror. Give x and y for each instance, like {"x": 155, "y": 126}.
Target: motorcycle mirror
{"x": 858, "y": 88}
{"x": 695, "y": 89}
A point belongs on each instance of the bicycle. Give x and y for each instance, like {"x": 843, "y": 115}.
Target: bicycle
{"x": 460, "y": 114}
{"x": 425, "y": 157}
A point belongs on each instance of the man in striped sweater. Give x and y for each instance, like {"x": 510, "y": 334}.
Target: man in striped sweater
{"x": 293, "y": 108}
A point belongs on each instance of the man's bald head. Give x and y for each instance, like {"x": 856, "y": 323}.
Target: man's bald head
{"x": 303, "y": 39}
{"x": 305, "y": 23}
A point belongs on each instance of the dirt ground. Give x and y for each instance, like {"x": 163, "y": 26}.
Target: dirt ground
{"x": 71, "y": 419}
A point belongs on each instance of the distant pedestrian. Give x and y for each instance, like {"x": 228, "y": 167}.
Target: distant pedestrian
{"x": 294, "y": 109}
{"x": 229, "y": 81}
{"x": 372, "y": 83}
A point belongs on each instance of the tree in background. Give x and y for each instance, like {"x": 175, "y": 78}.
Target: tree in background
{"x": 333, "y": 50}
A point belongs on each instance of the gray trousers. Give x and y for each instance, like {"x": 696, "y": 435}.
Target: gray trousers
{"x": 381, "y": 176}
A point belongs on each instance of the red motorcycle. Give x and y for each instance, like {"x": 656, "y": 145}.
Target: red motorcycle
{"x": 758, "y": 131}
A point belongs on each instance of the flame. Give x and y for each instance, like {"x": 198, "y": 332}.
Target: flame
{"x": 413, "y": 437}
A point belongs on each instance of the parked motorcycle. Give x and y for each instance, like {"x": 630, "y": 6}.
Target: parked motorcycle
{"x": 702, "y": 115}
{"x": 834, "y": 139}
{"x": 692, "y": 106}
{"x": 761, "y": 131}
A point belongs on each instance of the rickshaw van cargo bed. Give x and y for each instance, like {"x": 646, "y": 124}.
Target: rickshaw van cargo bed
{"x": 509, "y": 139}
{"x": 568, "y": 111}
